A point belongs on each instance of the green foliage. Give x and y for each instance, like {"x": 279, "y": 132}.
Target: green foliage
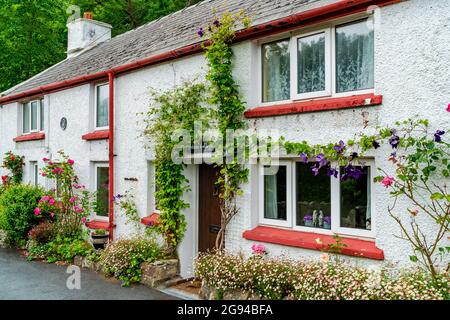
{"x": 60, "y": 249}
{"x": 33, "y": 33}
{"x": 14, "y": 164}
{"x": 17, "y": 204}
{"x": 33, "y": 37}
{"x": 173, "y": 111}
{"x": 230, "y": 108}
{"x": 123, "y": 258}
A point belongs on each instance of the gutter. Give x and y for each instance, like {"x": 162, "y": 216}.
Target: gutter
{"x": 111, "y": 77}
{"x": 328, "y": 12}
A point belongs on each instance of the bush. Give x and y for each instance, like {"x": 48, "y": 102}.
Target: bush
{"x": 122, "y": 259}
{"x": 60, "y": 250}
{"x": 279, "y": 278}
{"x": 42, "y": 233}
{"x": 17, "y": 204}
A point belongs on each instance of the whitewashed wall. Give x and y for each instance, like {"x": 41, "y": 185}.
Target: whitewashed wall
{"x": 412, "y": 73}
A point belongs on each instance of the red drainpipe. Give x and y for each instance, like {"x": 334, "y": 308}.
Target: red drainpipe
{"x": 111, "y": 155}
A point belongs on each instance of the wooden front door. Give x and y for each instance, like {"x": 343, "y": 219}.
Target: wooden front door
{"x": 209, "y": 208}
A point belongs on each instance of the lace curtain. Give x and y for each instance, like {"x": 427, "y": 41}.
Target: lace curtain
{"x": 311, "y": 63}
{"x": 276, "y": 71}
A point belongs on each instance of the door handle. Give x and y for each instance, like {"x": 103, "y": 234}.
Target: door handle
{"x": 214, "y": 229}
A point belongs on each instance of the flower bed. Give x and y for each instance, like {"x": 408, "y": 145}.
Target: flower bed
{"x": 282, "y": 278}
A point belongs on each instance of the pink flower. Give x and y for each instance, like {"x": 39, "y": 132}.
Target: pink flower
{"x": 448, "y": 108}
{"x": 44, "y": 174}
{"x": 50, "y": 163}
{"x": 52, "y": 215}
{"x": 37, "y": 212}
{"x": 72, "y": 200}
{"x": 77, "y": 209}
{"x": 83, "y": 220}
{"x": 414, "y": 212}
{"x": 71, "y": 162}
{"x": 324, "y": 258}
{"x": 45, "y": 159}
{"x": 259, "y": 249}
{"x": 388, "y": 181}
{"x": 58, "y": 171}
{"x": 51, "y": 202}
{"x": 45, "y": 198}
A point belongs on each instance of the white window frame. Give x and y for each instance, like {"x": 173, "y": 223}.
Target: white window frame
{"x": 34, "y": 173}
{"x": 38, "y": 119}
{"x": 294, "y": 66}
{"x": 96, "y": 106}
{"x": 152, "y": 188}
{"x": 96, "y": 167}
{"x": 335, "y": 204}
{"x": 289, "y": 201}
{"x": 330, "y": 62}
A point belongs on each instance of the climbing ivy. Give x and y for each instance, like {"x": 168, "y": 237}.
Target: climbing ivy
{"x": 170, "y": 111}
{"x": 218, "y": 39}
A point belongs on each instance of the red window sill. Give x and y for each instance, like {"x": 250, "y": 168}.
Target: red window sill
{"x": 30, "y": 137}
{"x": 363, "y": 100}
{"x": 151, "y": 220}
{"x": 307, "y": 240}
{"x": 96, "y": 135}
{"x": 98, "y": 225}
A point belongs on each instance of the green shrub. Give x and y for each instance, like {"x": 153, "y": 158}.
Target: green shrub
{"x": 307, "y": 280}
{"x": 60, "y": 250}
{"x": 123, "y": 258}
{"x": 17, "y": 204}
{"x": 43, "y": 232}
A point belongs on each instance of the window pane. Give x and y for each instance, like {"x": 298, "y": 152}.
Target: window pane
{"x": 102, "y": 106}
{"x": 41, "y": 124}
{"x": 275, "y": 195}
{"x": 355, "y": 201}
{"x": 34, "y": 116}
{"x": 313, "y": 202}
{"x": 36, "y": 174}
{"x": 276, "y": 71}
{"x": 354, "y": 57}
{"x": 311, "y": 63}
{"x": 102, "y": 204}
{"x": 26, "y": 118}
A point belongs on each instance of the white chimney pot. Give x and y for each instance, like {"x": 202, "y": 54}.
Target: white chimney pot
{"x": 86, "y": 33}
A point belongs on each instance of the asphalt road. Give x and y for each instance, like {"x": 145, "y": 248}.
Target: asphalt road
{"x": 23, "y": 280}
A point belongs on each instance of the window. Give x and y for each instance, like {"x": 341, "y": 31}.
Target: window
{"x": 33, "y": 116}
{"x": 34, "y": 173}
{"x": 291, "y": 196}
{"x": 327, "y": 62}
{"x": 101, "y": 106}
{"x": 153, "y": 188}
{"x": 102, "y": 190}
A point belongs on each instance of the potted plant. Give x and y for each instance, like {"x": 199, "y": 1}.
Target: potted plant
{"x": 308, "y": 220}
{"x": 327, "y": 222}
{"x": 99, "y": 238}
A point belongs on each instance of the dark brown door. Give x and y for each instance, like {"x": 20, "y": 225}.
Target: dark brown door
{"x": 209, "y": 208}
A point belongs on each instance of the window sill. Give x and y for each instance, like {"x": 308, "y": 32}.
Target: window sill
{"x": 307, "y": 240}
{"x": 98, "y": 225}
{"x": 96, "y": 135}
{"x": 30, "y": 137}
{"x": 363, "y": 100}
{"x": 151, "y": 220}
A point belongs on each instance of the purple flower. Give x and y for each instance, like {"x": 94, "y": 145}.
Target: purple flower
{"x": 394, "y": 141}
{"x": 351, "y": 172}
{"x": 304, "y": 157}
{"x": 332, "y": 172}
{"x": 327, "y": 219}
{"x": 307, "y": 218}
{"x": 322, "y": 160}
{"x": 315, "y": 170}
{"x": 201, "y": 32}
{"x": 375, "y": 144}
{"x": 438, "y": 135}
{"x": 354, "y": 156}
{"x": 216, "y": 23}
{"x": 339, "y": 148}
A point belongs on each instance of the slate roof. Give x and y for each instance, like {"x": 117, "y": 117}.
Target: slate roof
{"x": 174, "y": 31}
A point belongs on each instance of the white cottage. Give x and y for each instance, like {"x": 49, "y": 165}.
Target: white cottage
{"x": 297, "y": 73}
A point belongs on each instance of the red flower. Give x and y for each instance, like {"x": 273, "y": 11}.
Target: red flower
{"x": 71, "y": 162}
{"x": 448, "y": 108}
{"x": 13, "y": 157}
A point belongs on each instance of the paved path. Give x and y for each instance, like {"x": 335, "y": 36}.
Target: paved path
{"x": 20, "y": 279}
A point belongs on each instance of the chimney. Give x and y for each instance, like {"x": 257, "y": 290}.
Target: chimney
{"x": 86, "y": 33}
